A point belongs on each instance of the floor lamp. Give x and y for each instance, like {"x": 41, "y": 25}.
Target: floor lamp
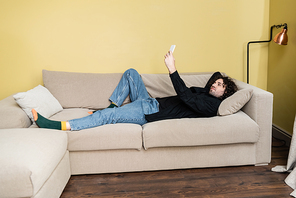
{"x": 281, "y": 39}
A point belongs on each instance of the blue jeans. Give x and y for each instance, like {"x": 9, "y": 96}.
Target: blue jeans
{"x": 141, "y": 104}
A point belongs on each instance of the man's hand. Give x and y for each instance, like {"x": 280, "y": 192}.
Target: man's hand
{"x": 170, "y": 62}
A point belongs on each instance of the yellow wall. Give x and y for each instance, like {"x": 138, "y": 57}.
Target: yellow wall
{"x": 111, "y": 36}
{"x": 282, "y": 66}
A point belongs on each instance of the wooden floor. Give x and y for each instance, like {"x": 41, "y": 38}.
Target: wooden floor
{"x": 244, "y": 181}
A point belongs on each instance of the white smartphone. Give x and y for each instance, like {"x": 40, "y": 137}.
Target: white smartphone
{"x": 172, "y": 48}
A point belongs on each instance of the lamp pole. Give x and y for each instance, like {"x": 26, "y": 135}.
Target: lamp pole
{"x": 267, "y": 41}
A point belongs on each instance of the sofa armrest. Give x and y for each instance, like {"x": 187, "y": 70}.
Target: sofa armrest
{"x": 260, "y": 108}
{"x": 11, "y": 115}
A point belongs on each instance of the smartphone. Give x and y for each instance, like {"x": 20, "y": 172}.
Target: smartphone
{"x": 172, "y": 48}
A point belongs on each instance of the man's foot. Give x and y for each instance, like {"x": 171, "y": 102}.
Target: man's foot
{"x": 112, "y": 105}
{"x": 43, "y": 122}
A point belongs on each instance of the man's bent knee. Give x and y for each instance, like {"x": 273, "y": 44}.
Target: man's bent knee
{"x": 131, "y": 70}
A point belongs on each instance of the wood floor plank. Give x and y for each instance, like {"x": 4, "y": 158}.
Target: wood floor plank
{"x": 241, "y": 181}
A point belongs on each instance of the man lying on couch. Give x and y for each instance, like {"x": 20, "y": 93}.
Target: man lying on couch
{"x": 190, "y": 102}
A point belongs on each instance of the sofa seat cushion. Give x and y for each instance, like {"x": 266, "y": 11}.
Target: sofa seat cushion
{"x": 107, "y": 137}
{"x": 231, "y": 129}
{"x": 69, "y": 114}
{"x": 28, "y": 158}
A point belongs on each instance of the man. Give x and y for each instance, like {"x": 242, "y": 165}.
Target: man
{"x": 188, "y": 103}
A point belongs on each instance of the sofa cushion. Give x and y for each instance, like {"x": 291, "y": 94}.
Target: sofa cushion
{"x": 69, "y": 114}
{"x": 28, "y": 158}
{"x": 235, "y": 102}
{"x": 84, "y": 90}
{"x": 107, "y": 137}
{"x": 160, "y": 85}
{"x": 231, "y": 129}
{"x": 10, "y": 110}
{"x": 40, "y": 99}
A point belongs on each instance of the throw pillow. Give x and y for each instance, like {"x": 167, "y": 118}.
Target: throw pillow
{"x": 40, "y": 99}
{"x": 235, "y": 102}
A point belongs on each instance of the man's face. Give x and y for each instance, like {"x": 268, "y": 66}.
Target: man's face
{"x": 217, "y": 88}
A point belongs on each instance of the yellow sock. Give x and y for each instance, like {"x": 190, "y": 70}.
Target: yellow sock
{"x": 64, "y": 127}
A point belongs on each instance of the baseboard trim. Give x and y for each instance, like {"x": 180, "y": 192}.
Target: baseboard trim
{"x": 281, "y": 134}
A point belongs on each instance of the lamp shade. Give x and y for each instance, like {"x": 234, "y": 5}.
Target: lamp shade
{"x": 282, "y": 37}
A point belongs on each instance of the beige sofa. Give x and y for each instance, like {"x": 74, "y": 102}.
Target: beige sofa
{"x": 38, "y": 162}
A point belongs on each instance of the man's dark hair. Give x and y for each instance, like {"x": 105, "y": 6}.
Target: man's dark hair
{"x": 230, "y": 87}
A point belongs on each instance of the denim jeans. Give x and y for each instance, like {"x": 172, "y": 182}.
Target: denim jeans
{"x": 141, "y": 104}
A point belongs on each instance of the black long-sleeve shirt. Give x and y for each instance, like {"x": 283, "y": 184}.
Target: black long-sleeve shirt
{"x": 190, "y": 102}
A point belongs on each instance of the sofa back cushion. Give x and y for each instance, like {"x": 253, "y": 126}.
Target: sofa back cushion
{"x": 82, "y": 90}
{"x": 160, "y": 85}
{"x": 92, "y": 90}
